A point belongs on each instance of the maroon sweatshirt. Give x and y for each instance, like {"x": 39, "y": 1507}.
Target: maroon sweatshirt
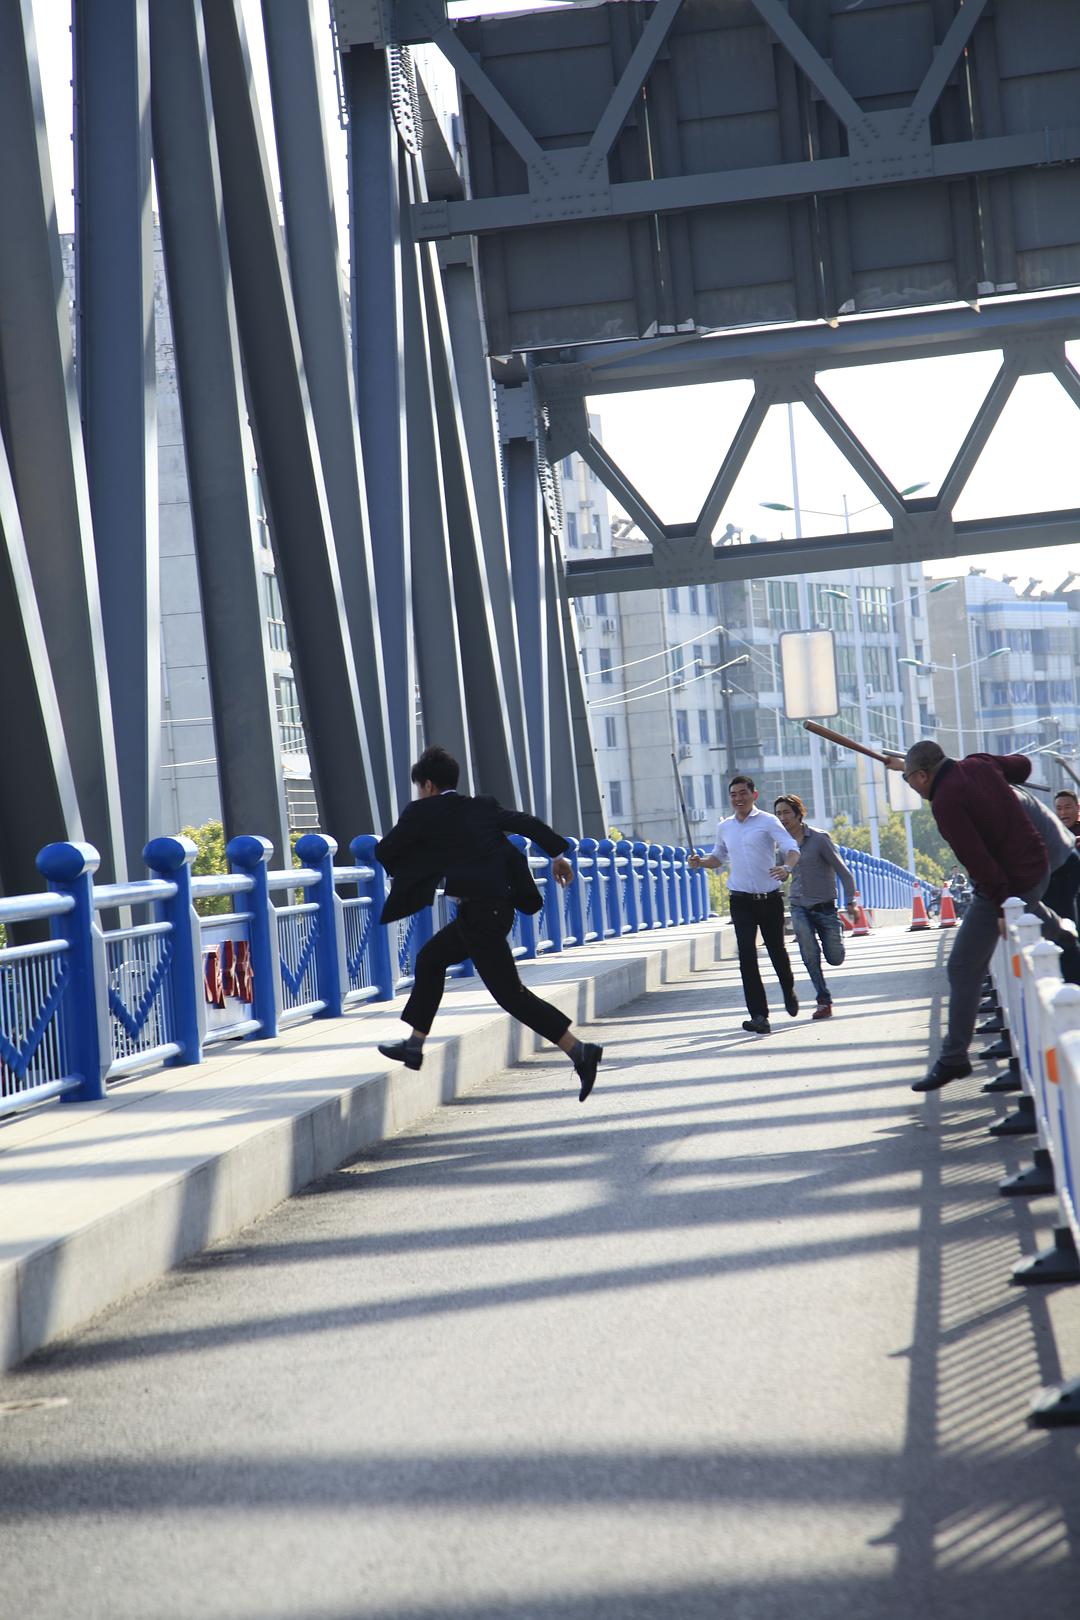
{"x": 984, "y": 824}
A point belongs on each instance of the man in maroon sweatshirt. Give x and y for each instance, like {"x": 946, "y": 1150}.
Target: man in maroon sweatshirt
{"x": 984, "y": 823}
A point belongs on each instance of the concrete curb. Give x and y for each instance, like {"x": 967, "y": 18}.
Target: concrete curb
{"x": 100, "y": 1200}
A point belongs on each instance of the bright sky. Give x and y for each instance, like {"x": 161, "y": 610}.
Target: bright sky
{"x": 912, "y": 416}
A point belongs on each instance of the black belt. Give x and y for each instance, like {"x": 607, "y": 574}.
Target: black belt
{"x": 752, "y": 894}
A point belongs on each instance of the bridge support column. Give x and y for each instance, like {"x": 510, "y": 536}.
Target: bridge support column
{"x": 213, "y": 410}
{"x": 379, "y": 367}
{"x": 44, "y": 444}
{"x": 528, "y": 564}
{"x": 318, "y": 295}
{"x": 114, "y": 302}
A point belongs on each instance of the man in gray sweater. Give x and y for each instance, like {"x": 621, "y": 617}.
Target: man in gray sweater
{"x": 813, "y": 897}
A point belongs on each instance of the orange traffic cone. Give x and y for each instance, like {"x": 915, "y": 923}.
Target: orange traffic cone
{"x": 919, "y": 919}
{"x": 947, "y": 914}
{"x": 861, "y": 925}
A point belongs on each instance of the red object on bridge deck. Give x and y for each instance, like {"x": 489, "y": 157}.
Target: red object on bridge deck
{"x": 947, "y": 915}
{"x": 862, "y": 926}
{"x": 919, "y": 919}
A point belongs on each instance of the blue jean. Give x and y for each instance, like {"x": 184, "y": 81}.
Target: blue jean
{"x": 812, "y": 923}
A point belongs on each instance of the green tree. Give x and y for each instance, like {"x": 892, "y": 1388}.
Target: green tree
{"x": 209, "y": 841}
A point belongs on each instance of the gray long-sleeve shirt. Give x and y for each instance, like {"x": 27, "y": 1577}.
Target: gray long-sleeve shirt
{"x": 814, "y": 879}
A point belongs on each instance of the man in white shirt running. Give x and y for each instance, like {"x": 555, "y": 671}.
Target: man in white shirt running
{"x": 747, "y": 842}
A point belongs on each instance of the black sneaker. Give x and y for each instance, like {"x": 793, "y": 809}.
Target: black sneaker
{"x": 402, "y": 1052}
{"x": 791, "y": 1004}
{"x": 586, "y": 1069}
{"x": 757, "y": 1026}
{"x": 941, "y": 1074}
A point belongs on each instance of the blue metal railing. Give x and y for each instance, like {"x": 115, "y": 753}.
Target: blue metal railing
{"x": 90, "y": 1005}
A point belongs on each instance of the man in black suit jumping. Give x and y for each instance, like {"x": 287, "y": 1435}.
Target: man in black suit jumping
{"x": 443, "y": 835}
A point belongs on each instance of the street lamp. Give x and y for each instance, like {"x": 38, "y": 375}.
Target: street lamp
{"x": 918, "y": 663}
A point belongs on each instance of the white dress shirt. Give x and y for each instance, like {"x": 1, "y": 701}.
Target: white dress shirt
{"x": 749, "y": 847}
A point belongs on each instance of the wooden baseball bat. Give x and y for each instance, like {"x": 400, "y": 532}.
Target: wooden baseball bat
{"x": 845, "y": 742}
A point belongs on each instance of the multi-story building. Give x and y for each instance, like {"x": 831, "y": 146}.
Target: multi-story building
{"x": 655, "y": 689}
{"x": 1006, "y": 661}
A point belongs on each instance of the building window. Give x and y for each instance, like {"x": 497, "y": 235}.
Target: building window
{"x": 290, "y": 724}
{"x": 275, "y": 614}
{"x": 571, "y": 530}
{"x": 611, "y": 736}
{"x": 682, "y": 725}
{"x": 615, "y": 799}
{"x": 605, "y": 667}
{"x": 690, "y": 792}
{"x": 691, "y": 597}
{"x": 703, "y": 725}
{"x": 673, "y": 598}
{"x": 676, "y": 656}
{"x": 699, "y": 657}
{"x": 601, "y": 603}
{"x": 874, "y": 602}
{"x": 710, "y": 792}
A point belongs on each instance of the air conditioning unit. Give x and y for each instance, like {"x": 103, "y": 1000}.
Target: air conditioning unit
{"x": 608, "y": 626}
{"x": 685, "y": 750}
{"x": 584, "y": 621}
{"x": 696, "y": 815}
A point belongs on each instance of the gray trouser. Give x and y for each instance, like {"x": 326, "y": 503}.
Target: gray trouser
{"x": 969, "y": 959}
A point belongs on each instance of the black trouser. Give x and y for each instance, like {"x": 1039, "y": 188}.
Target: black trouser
{"x": 479, "y": 931}
{"x": 749, "y": 912}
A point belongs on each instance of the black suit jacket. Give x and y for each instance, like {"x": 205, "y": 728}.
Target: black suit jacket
{"x": 461, "y": 841}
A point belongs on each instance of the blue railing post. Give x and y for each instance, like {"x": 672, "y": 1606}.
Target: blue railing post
{"x": 632, "y": 910}
{"x": 647, "y": 909}
{"x": 69, "y": 869}
{"x": 526, "y": 920}
{"x": 682, "y": 884}
{"x": 592, "y": 910}
{"x": 614, "y": 915}
{"x": 317, "y": 851}
{"x": 383, "y": 968}
{"x": 671, "y": 886}
{"x": 575, "y": 910}
{"x": 171, "y": 858}
{"x": 249, "y": 854}
{"x": 658, "y": 886}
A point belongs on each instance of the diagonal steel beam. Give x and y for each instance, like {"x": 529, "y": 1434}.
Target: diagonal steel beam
{"x": 616, "y": 482}
{"x": 852, "y": 449}
{"x": 633, "y": 77}
{"x": 491, "y": 99}
{"x": 732, "y": 464}
{"x": 322, "y": 319}
{"x": 986, "y": 417}
{"x": 290, "y": 468}
{"x": 811, "y": 61}
{"x": 38, "y": 802}
{"x": 946, "y": 55}
{"x": 1068, "y": 376}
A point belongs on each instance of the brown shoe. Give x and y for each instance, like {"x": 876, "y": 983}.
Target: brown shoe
{"x": 822, "y": 1010}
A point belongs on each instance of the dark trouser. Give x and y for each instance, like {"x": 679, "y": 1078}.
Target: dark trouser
{"x": 749, "y": 912}
{"x": 812, "y": 923}
{"x": 972, "y": 950}
{"x": 479, "y": 931}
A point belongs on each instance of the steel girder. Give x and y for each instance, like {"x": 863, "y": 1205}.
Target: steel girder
{"x": 783, "y": 366}
{"x": 290, "y": 468}
{"x": 723, "y": 162}
{"x": 318, "y": 294}
{"x": 210, "y": 386}
{"x": 39, "y": 421}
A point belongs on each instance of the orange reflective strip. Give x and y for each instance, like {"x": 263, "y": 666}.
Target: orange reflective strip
{"x": 1051, "y": 1064}
{"x": 1016, "y": 964}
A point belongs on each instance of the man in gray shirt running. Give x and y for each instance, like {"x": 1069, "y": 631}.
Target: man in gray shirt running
{"x": 813, "y": 897}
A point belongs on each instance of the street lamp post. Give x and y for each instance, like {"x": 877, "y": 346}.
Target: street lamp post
{"x": 918, "y": 663}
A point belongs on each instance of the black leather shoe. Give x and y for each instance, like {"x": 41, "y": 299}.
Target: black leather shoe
{"x": 757, "y": 1026}
{"x": 941, "y": 1074}
{"x": 791, "y": 1005}
{"x": 586, "y": 1069}
{"x": 401, "y": 1052}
